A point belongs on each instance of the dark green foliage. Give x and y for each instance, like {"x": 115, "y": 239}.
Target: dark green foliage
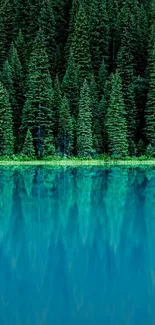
{"x": 102, "y": 131}
{"x": 6, "y": 124}
{"x": 49, "y": 148}
{"x": 73, "y": 13}
{"x": 37, "y": 112}
{"x": 81, "y": 46}
{"x": 116, "y": 120}
{"x": 84, "y": 129}
{"x": 7, "y": 80}
{"x": 65, "y": 134}
{"x": 150, "y": 107}
{"x": 140, "y": 148}
{"x": 56, "y": 62}
{"x": 125, "y": 68}
{"x": 22, "y": 51}
{"x": 99, "y": 34}
{"x": 61, "y": 10}
{"x": 102, "y": 78}
{"x": 22, "y": 18}
{"x": 47, "y": 24}
{"x": 28, "y": 148}
{"x": 56, "y": 104}
{"x": 18, "y": 88}
{"x": 96, "y": 116}
{"x": 7, "y": 29}
{"x": 71, "y": 87}
{"x": 149, "y": 151}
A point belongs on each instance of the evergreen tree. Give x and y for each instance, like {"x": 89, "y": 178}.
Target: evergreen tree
{"x": 96, "y": 116}
{"x": 47, "y": 24}
{"x": 140, "y": 148}
{"x": 7, "y": 29}
{"x": 150, "y": 107}
{"x": 28, "y": 148}
{"x": 56, "y": 104}
{"x": 102, "y": 78}
{"x": 116, "y": 120}
{"x": 125, "y": 68}
{"x": 149, "y": 151}
{"x": 65, "y": 134}
{"x": 73, "y": 13}
{"x": 2, "y": 42}
{"x": 99, "y": 34}
{"x": 81, "y": 46}
{"x": 22, "y": 18}
{"x": 71, "y": 87}
{"x": 126, "y": 24}
{"x": 6, "y": 124}
{"x": 18, "y": 88}
{"x": 37, "y": 112}
{"x": 7, "y": 80}
{"x": 113, "y": 9}
{"x": 84, "y": 127}
{"x": 49, "y": 147}
{"x": 61, "y": 13}
{"x": 22, "y": 51}
{"x": 101, "y": 127}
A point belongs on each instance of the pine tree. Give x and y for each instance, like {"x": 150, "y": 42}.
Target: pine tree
{"x": 49, "y": 147}
{"x": 81, "y": 46}
{"x": 37, "y": 112}
{"x": 2, "y": 42}
{"x": 113, "y": 9}
{"x": 101, "y": 127}
{"x": 28, "y": 148}
{"x": 71, "y": 87}
{"x": 73, "y": 13}
{"x": 125, "y": 68}
{"x": 126, "y": 24}
{"x": 22, "y": 51}
{"x": 56, "y": 104}
{"x": 99, "y": 34}
{"x": 7, "y": 29}
{"x": 61, "y": 13}
{"x": 149, "y": 151}
{"x": 22, "y": 17}
{"x": 140, "y": 148}
{"x": 47, "y": 24}
{"x": 18, "y": 87}
{"x": 65, "y": 134}
{"x": 150, "y": 107}
{"x": 84, "y": 127}
{"x": 116, "y": 120}
{"x": 102, "y": 78}
{"x": 6, "y": 124}
{"x": 96, "y": 116}
{"x": 7, "y": 80}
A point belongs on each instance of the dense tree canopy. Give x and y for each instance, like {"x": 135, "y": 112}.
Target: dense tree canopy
{"x": 77, "y": 77}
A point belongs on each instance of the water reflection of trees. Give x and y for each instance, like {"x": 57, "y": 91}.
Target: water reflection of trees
{"x": 79, "y": 241}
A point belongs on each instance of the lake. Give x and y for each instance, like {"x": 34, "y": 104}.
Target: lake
{"x": 77, "y": 246}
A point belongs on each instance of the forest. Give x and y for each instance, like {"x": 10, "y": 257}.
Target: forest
{"x": 77, "y": 78}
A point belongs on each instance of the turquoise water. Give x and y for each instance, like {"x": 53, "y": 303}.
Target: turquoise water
{"x": 77, "y": 246}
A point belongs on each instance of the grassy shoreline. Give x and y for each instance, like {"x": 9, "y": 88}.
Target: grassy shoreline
{"x": 78, "y": 162}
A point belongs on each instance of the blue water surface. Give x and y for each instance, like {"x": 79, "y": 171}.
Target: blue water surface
{"x": 77, "y": 246}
